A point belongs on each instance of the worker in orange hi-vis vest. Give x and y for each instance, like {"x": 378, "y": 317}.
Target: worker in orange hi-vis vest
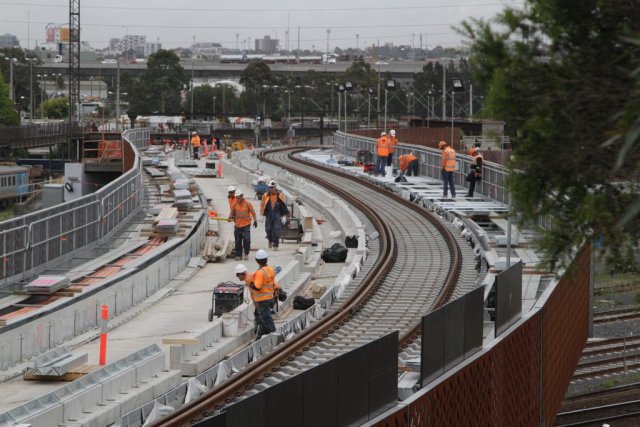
{"x": 448, "y": 168}
{"x": 195, "y": 144}
{"x": 409, "y": 164}
{"x": 242, "y": 213}
{"x": 393, "y": 143}
{"x": 382, "y": 151}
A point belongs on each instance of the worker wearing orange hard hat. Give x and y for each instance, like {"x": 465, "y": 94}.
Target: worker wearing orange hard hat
{"x": 475, "y": 170}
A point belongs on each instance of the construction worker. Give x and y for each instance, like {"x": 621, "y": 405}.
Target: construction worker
{"x": 263, "y": 289}
{"x": 393, "y": 143}
{"x": 448, "y": 167}
{"x": 475, "y": 170}
{"x": 409, "y": 164}
{"x": 231, "y": 195}
{"x": 195, "y": 144}
{"x": 241, "y": 213}
{"x": 273, "y": 207}
{"x": 382, "y": 152}
{"x": 247, "y": 278}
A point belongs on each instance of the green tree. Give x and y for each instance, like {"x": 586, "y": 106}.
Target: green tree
{"x": 559, "y": 74}
{"x": 56, "y": 108}
{"x": 259, "y": 84}
{"x": 8, "y": 115}
{"x": 203, "y": 100}
{"x": 159, "y": 89}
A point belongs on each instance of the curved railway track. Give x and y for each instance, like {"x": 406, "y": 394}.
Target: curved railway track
{"x": 413, "y": 267}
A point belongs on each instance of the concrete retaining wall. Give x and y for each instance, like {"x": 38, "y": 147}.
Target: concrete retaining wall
{"x": 54, "y": 327}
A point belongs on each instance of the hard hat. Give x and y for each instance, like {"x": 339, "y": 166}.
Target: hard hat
{"x": 261, "y": 254}
{"x": 442, "y": 144}
{"x": 383, "y": 133}
{"x": 239, "y": 193}
{"x": 272, "y": 183}
{"x": 262, "y": 179}
{"x": 240, "y": 268}
{"x": 392, "y": 132}
{"x": 473, "y": 150}
{"x": 194, "y": 133}
{"x": 231, "y": 188}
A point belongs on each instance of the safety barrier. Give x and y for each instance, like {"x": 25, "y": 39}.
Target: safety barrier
{"x": 493, "y": 184}
{"x": 29, "y": 243}
{"x": 99, "y": 398}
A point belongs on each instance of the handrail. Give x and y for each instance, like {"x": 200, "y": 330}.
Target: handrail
{"x": 70, "y": 226}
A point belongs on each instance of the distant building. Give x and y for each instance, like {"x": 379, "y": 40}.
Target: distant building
{"x": 130, "y": 42}
{"x": 9, "y": 40}
{"x": 151, "y": 48}
{"x": 267, "y": 45}
{"x": 207, "y": 50}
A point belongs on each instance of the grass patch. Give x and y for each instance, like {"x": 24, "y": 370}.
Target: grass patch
{"x": 6, "y": 213}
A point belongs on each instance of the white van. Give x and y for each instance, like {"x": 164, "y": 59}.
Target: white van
{"x": 57, "y": 58}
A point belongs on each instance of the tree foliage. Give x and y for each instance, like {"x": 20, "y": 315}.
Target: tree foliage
{"x": 559, "y": 74}
{"x": 56, "y": 108}
{"x": 159, "y": 89}
{"x": 8, "y": 115}
{"x": 259, "y": 88}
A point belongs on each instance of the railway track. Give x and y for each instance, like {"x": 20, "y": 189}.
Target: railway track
{"x": 413, "y": 267}
{"x": 618, "y": 314}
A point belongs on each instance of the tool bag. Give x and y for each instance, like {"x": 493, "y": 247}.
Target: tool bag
{"x": 282, "y": 295}
{"x": 336, "y": 253}
{"x": 301, "y": 303}
{"x": 351, "y": 241}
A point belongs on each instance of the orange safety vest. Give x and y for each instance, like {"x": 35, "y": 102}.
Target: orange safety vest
{"x": 242, "y": 212}
{"x": 449, "y": 159}
{"x": 393, "y": 142}
{"x": 264, "y": 284}
{"x": 405, "y": 159}
{"x": 271, "y": 198}
{"x": 232, "y": 201}
{"x": 382, "y": 146}
{"x": 195, "y": 141}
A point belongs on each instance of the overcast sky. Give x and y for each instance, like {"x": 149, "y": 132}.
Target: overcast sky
{"x": 176, "y": 23}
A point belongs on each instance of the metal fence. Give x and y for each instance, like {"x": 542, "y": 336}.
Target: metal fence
{"x": 29, "y": 243}
{"x": 493, "y": 184}
{"x": 38, "y": 135}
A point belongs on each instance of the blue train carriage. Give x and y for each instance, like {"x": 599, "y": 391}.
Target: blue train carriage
{"x": 14, "y": 184}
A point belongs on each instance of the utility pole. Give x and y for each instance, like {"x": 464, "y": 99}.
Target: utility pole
{"x": 118, "y": 95}
{"x": 74, "y": 58}
{"x": 444, "y": 93}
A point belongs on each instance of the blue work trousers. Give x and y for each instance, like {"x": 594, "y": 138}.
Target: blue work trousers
{"x": 273, "y": 227}
{"x": 265, "y": 321}
{"x": 447, "y": 180}
{"x": 381, "y": 162}
{"x": 243, "y": 239}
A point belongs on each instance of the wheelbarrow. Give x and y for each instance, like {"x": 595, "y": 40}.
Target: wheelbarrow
{"x": 260, "y": 188}
{"x": 292, "y": 230}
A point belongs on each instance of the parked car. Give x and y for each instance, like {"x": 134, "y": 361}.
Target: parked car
{"x": 110, "y": 61}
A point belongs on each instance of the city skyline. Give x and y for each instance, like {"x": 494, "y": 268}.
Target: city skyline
{"x": 238, "y": 24}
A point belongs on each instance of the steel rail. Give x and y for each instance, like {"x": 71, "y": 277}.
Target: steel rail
{"x": 244, "y": 380}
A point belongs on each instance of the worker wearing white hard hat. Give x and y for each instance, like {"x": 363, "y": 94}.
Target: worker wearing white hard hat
{"x": 231, "y": 195}
{"x": 242, "y": 213}
{"x": 263, "y": 292}
{"x": 273, "y": 207}
{"x": 393, "y": 142}
{"x": 195, "y": 144}
{"x": 382, "y": 152}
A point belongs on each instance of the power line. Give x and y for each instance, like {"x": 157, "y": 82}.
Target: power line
{"x": 264, "y": 10}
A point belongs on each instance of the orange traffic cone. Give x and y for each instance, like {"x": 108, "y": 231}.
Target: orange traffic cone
{"x": 220, "y": 165}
